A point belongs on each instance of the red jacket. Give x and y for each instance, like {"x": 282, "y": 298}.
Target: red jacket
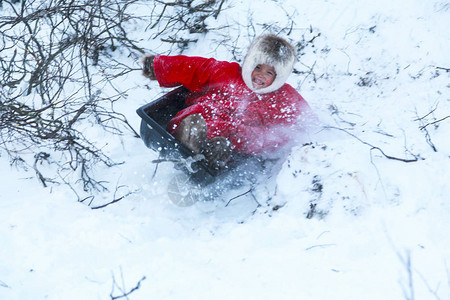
{"x": 254, "y": 123}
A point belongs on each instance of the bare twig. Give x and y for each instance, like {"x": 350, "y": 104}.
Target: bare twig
{"x": 408, "y": 291}
{"x": 424, "y": 127}
{"x": 238, "y": 196}
{"x": 115, "y": 198}
{"x": 434, "y": 122}
{"x": 375, "y": 147}
{"x": 445, "y": 69}
{"x": 176, "y": 21}
{"x": 124, "y": 294}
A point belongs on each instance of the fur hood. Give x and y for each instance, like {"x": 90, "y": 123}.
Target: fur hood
{"x": 271, "y": 50}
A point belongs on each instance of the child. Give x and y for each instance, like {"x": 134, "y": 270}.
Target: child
{"x": 245, "y": 109}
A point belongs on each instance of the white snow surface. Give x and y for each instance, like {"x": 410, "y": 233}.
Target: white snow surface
{"x": 380, "y": 228}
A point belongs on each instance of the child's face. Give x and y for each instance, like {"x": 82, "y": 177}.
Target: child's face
{"x": 263, "y": 76}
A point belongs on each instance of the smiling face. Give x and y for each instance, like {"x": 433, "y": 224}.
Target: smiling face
{"x": 263, "y": 76}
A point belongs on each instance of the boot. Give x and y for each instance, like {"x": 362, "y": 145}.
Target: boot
{"x": 191, "y": 132}
{"x": 217, "y": 152}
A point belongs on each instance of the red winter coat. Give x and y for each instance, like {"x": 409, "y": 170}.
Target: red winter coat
{"x": 254, "y": 123}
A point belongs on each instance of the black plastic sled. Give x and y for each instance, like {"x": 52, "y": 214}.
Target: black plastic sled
{"x": 155, "y": 117}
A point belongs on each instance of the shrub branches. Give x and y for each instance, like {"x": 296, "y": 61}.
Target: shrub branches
{"x": 51, "y": 87}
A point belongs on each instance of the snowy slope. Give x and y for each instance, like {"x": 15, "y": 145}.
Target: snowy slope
{"x": 353, "y": 218}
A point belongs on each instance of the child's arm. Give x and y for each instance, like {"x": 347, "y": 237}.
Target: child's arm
{"x": 194, "y": 73}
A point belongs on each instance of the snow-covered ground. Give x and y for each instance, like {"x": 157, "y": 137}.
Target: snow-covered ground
{"x": 346, "y": 217}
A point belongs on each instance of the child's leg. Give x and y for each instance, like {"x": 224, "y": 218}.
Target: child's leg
{"x": 191, "y": 132}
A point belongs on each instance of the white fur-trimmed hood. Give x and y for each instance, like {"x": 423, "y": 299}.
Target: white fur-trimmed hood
{"x": 271, "y": 50}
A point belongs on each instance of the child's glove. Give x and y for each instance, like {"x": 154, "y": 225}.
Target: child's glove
{"x": 148, "y": 70}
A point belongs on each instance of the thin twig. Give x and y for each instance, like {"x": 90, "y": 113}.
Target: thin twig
{"x": 238, "y": 196}
{"x": 445, "y": 69}
{"x": 374, "y": 147}
{"x": 126, "y": 294}
{"x": 434, "y": 122}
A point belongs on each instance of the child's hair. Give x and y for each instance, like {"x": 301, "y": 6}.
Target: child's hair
{"x": 270, "y": 50}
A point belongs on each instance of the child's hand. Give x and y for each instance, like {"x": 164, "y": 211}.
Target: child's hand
{"x": 148, "y": 70}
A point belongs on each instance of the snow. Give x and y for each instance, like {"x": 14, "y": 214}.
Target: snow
{"x": 379, "y": 229}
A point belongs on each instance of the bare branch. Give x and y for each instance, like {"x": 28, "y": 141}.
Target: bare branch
{"x": 375, "y": 147}
{"x": 48, "y": 96}
{"x": 124, "y": 294}
{"x": 445, "y": 69}
{"x": 434, "y": 122}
